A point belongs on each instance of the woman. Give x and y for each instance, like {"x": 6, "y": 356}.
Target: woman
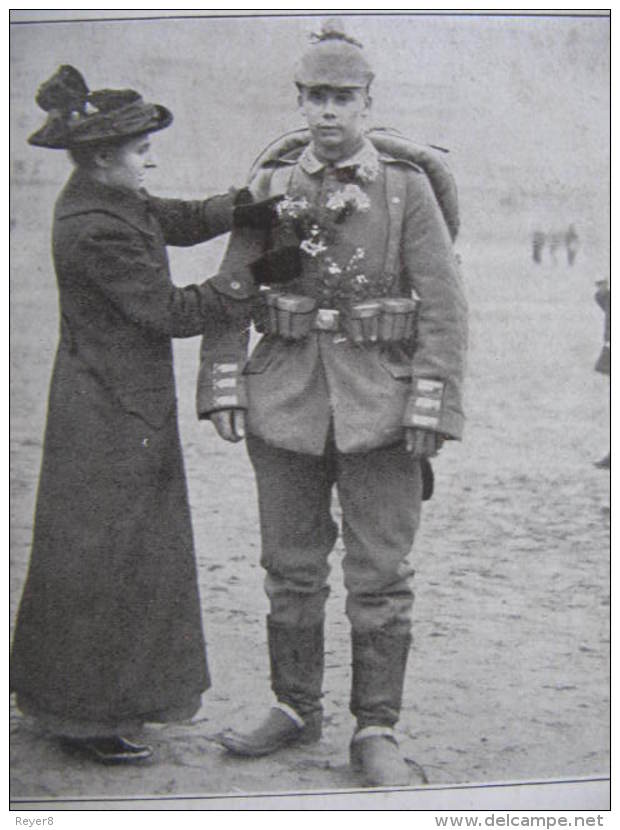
{"x": 109, "y": 631}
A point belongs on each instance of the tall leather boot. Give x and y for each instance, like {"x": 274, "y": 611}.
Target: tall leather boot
{"x": 379, "y": 663}
{"x": 296, "y": 658}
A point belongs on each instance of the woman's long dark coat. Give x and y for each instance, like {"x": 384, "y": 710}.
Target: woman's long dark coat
{"x": 109, "y": 628}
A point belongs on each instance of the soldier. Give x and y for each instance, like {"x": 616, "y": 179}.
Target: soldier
{"x": 338, "y": 392}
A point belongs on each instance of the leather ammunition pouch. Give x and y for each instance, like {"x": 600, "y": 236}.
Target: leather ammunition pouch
{"x": 384, "y": 320}
{"x": 290, "y": 316}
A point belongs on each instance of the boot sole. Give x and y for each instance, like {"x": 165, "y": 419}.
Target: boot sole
{"x": 239, "y": 746}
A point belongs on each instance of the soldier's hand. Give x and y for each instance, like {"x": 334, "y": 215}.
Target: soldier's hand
{"x": 229, "y": 424}
{"x": 423, "y": 443}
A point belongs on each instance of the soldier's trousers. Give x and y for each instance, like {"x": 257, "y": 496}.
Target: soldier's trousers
{"x": 380, "y": 496}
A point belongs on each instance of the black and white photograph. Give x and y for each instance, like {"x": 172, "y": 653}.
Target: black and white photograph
{"x": 310, "y": 438}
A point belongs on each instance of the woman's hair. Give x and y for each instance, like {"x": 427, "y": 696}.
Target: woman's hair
{"x": 85, "y": 156}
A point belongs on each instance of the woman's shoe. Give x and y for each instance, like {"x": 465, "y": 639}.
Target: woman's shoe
{"x": 109, "y": 750}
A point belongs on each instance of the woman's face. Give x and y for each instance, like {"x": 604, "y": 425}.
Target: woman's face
{"x": 126, "y": 165}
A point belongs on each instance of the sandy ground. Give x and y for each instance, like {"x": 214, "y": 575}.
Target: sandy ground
{"x": 509, "y": 675}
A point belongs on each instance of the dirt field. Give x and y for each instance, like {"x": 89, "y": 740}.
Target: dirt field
{"x": 509, "y": 674}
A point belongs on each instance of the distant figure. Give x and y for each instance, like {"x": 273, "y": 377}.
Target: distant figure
{"x": 603, "y": 363}
{"x": 538, "y": 243}
{"x": 572, "y": 244}
{"x": 553, "y": 241}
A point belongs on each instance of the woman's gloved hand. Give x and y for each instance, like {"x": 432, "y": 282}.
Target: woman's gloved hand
{"x": 248, "y": 213}
{"x": 277, "y": 266}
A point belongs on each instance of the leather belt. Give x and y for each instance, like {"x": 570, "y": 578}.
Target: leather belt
{"x": 386, "y": 320}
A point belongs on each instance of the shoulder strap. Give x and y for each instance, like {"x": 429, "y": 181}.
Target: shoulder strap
{"x": 396, "y": 195}
{"x": 431, "y": 160}
{"x": 281, "y": 178}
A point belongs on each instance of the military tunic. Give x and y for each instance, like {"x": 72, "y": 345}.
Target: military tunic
{"x": 296, "y": 390}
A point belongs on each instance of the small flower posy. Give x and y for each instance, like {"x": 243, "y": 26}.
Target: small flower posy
{"x": 348, "y": 199}
{"x": 313, "y": 249}
{"x": 292, "y": 208}
{"x": 368, "y": 171}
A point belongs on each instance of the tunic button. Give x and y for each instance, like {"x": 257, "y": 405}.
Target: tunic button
{"x": 235, "y": 285}
{"x": 145, "y": 442}
{"x": 396, "y": 200}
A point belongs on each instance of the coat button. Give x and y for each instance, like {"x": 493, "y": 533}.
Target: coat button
{"x": 145, "y": 442}
{"x": 396, "y": 200}
{"x": 235, "y": 285}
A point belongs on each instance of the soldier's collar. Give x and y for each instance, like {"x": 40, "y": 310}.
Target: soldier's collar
{"x": 365, "y": 161}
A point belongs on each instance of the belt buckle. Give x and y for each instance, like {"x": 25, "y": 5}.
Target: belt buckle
{"x": 327, "y": 319}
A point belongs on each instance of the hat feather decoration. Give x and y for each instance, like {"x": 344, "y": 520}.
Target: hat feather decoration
{"x": 65, "y": 91}
{"x": 108, "y": 100}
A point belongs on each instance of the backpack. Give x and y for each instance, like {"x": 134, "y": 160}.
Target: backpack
{"x": 427, "y": 159}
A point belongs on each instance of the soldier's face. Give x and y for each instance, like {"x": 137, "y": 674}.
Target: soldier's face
{"x": 126, "y": 165}
{"x": 335, "y": 117}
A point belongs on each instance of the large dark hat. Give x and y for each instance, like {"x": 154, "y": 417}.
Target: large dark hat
{"x": 78, "y": 117}
{"x": 334, "y": 59}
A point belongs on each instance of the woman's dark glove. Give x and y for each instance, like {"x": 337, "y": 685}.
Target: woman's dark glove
{"x": 250, "y": 214}
{"x": 277, "y": 266}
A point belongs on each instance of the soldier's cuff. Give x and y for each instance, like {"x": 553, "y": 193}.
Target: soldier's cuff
{"x": 424, "y": 407}
{"x": 427, "y": 409}
{"x": 221, "y": 385}
{"x": 236, "y": 285}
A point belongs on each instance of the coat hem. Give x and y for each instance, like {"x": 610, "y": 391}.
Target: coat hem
{"x": 90, "y": 727}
